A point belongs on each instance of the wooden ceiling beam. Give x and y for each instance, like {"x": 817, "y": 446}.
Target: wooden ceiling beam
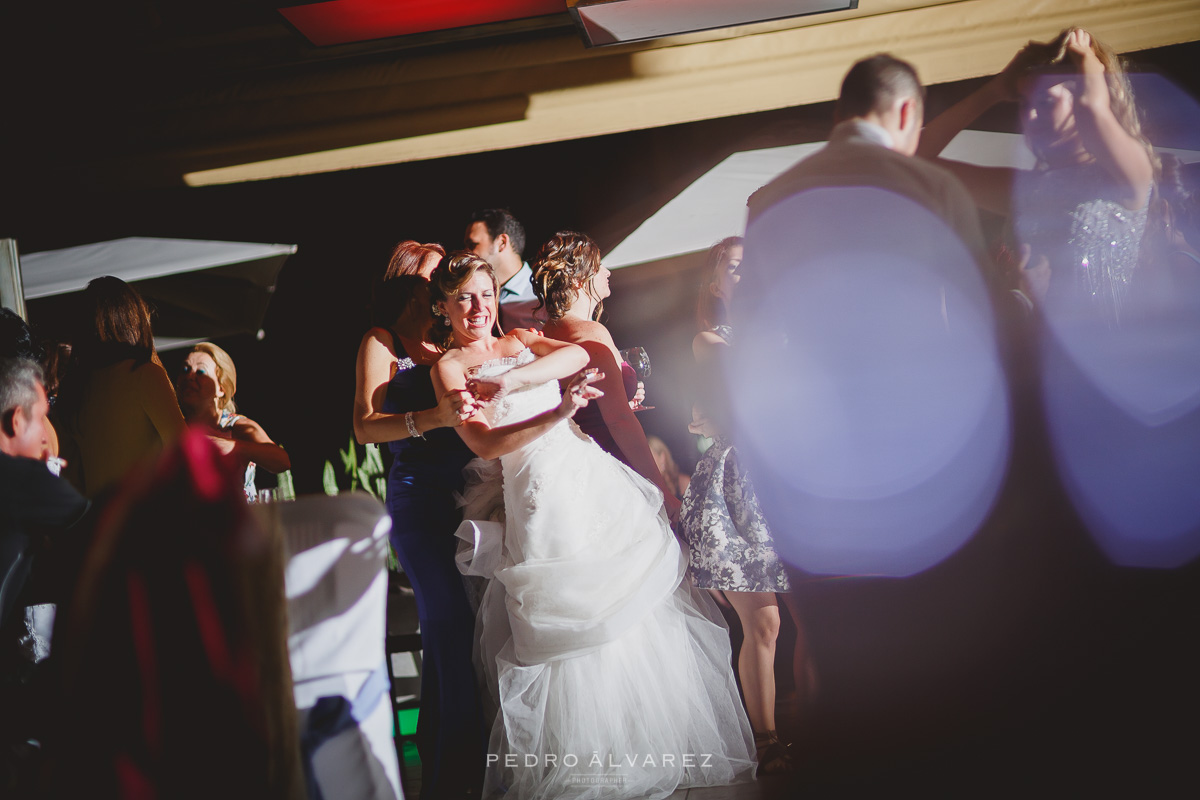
{"x": 501, "y": 95}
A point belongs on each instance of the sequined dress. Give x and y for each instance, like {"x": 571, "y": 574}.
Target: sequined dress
{"x": 1072, "y": 215}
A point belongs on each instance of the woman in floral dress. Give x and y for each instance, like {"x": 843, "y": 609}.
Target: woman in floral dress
{"x": 731, "y": 546}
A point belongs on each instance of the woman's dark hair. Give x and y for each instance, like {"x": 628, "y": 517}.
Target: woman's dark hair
{"x": 394, "y": 289}
{"x": 453, "y": 272}
{"x": 565, "y": 263}
{"x": 113, "y": 325}
{"x": 710, "y": 309}
{"x": 17, "y": 339}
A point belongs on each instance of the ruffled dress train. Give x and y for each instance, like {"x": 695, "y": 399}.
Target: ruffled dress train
{"x": 609, "y": 673}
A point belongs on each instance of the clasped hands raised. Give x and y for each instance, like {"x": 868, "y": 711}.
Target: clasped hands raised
{"x": 461, "y": 404}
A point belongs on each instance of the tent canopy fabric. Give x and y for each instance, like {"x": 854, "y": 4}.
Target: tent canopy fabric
{"x": 135, "y": 259}
{"x": 714, "y": 206}
{"x": 198, "y": 289}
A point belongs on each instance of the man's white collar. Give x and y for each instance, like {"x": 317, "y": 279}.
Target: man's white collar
{"x": 859, "y": 128}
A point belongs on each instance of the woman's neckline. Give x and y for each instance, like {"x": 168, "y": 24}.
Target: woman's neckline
{"x": 505, "y": 359}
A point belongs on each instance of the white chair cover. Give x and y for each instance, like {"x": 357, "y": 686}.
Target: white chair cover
{"x": 336, "y": 582}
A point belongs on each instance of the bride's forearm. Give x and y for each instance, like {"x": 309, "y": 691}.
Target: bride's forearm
{"x": 560, "y": 363}
{"x": 487, "y": 442}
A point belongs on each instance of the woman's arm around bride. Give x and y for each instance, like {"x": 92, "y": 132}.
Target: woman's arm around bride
{"x": 464, "y": 304}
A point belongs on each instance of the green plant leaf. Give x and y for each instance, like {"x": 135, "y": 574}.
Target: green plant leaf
{"x": 373, "y": 462}
{"x": 329, "y": 480}
{"x": 287, "y": 488}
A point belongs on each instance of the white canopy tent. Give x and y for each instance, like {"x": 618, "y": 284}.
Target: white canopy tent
{"x": 200, "y": 289}
{"x": 715, "y": 205}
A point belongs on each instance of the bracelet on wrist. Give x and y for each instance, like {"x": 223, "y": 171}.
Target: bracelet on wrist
{"x": 411, "y": 424}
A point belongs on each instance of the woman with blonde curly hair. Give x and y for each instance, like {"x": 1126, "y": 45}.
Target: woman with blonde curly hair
{"x": 571, "y": 285}
{"x": 206, "y": 385}
{"x": 1079, "y": 216}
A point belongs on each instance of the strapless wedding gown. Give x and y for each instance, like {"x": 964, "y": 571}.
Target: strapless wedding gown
{"x": 609, "y": 672}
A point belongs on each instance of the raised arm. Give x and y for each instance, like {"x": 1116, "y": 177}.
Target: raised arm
{"x": 251, "y": 443}
{"x": 373, "y": 372}
{"x": 1119, "y": 153}
{"x": 556, "y": 360}
{"x": 990, "y": 187}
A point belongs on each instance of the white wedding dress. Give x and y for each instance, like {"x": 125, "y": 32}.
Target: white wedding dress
{"x": 609, "y": 672}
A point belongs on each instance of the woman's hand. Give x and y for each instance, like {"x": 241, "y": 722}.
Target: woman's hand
{"x": 1033, "y": 273}
{"x": 1079, "y": 47}
{"x": 456, "y": 407}
{"x": 579, "y": 391}
{"x": 1009, "y": 79}
{"x": 493, "y": 387}
{"x": 701, "y": 425}
{"x": 638, "y": 396}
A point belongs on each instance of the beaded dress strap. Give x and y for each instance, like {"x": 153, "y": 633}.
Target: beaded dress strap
{"x": 403, "y": 361}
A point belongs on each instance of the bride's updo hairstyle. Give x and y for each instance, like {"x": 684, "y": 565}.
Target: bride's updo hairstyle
{"x": 453, "y": 272}
{"x": 564, "y": 264}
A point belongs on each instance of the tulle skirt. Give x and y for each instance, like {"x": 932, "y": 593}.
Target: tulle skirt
{"x": 609, "y": 674}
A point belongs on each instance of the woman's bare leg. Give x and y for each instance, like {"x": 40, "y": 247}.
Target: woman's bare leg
{"x": 759, "y": 615}
{"x": 803, "y": 670}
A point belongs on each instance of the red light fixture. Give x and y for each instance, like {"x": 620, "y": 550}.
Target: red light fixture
{"x": 344, "y": 21}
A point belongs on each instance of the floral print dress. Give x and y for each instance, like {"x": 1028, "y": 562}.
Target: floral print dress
{"x": 720, "y": 519}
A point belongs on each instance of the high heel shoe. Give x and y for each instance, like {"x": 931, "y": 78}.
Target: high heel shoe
{"x": 773, "y": 755}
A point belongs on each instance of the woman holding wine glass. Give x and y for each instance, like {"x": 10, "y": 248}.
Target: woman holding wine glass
{"x": 731, "y": 548}
{"x": 571, "y": 285}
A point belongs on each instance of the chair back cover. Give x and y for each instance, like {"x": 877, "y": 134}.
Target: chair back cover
{"x": 336, "y": 585}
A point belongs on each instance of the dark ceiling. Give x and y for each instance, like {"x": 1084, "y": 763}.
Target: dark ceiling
{"x": 90, "y": 82}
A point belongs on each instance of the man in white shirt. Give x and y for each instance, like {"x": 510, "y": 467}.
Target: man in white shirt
{"x": 498, "y": 238}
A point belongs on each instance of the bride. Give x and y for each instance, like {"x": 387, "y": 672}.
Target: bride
{"x": 610, "y": 674}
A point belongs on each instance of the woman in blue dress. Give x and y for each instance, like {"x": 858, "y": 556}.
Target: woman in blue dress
{"x": 395, "y": 403}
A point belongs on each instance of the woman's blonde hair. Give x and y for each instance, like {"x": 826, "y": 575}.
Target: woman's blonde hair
{"x": 566, "y": 262}
{"x": 226, "y": 374}
{"x": 670, "y": 470}
{"x": 1053, "y": 58}
{"x": 453, "y": 272}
